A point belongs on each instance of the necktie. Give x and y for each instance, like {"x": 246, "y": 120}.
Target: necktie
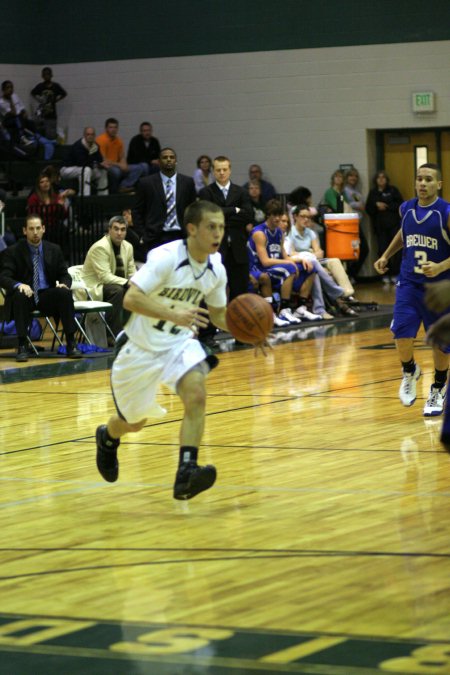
{"x": 171, "y": 217}
{"x": 36, "y": 276}
{"x": 225, "y": 193}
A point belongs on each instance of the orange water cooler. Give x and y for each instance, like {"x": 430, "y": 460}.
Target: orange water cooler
{"x": 342, "y": 235}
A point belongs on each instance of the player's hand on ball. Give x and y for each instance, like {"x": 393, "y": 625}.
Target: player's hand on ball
{"x": 195, "y": 318}
{"x": 437, "y": 296}
{"x": 263, "y": 348}
{"x": 439, "y": 333}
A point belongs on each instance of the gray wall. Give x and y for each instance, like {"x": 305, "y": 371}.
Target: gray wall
{"x": 299, "y": 113}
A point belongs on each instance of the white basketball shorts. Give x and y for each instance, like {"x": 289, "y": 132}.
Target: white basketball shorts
{"x": 137, "y": 373}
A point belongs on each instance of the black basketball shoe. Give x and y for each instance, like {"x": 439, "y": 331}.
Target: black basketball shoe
{"x": 192, "y": 479}
{"x": 107, "y": 462}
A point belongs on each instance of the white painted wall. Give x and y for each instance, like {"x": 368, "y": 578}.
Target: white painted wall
{"x": 299, "y": 113}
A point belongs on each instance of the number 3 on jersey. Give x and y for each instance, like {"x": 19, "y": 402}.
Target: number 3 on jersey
{"x": 421, "y": 258}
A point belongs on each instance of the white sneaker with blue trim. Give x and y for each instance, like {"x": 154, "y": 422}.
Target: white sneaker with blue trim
{"x": 407, "y": 391}
{"x": 435, "y": 403}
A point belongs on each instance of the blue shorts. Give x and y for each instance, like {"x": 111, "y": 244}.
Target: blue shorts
{"x": 302, "y": 277}
{"x": 410, "y": 311}
{"x": 277, "y": 273}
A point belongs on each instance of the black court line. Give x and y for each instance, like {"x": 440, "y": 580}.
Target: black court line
{"x": 277, "y": 552}
{"x": 227, "y": 558}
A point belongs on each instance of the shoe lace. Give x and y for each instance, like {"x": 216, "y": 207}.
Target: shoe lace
{"x": 433, "y": 398}
{"x": 408, "y": 382}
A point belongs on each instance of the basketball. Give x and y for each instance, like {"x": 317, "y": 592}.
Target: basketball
{"x": 249, "y": 318}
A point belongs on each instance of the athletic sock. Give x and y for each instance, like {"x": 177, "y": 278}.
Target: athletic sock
{"x": 440, "y": 378}
{"x": 409, "y": 366}
{"x": 284, "y": 304}
{"x": 188, "y": 453}
{"x": 108, "y": 441}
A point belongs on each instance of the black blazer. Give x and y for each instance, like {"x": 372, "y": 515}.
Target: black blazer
{"x": 150, "y": 211}
{"x": 17, "y": 267}
{"x": 235, "y": 223}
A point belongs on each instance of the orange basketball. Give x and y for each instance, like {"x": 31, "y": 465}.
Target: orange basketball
{"x": 249, "y": 318}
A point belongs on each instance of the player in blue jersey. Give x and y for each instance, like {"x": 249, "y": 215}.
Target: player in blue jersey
{"x": 266, "y": 244}
{"x": 425, "y": 238}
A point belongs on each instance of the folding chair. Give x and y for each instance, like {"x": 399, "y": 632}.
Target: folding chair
{"x": 88, "y": 305}
{"x": 37, "y": 314}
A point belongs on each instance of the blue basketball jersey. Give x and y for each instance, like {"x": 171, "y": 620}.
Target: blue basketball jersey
{"x": 425, "y": 238}
{"x": 273, "y": 242}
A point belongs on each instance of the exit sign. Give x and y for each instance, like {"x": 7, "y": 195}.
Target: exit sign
{"x": 423, "y": 102}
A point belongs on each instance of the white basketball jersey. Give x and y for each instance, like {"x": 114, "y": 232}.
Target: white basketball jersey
{"x": 175, "y": 279}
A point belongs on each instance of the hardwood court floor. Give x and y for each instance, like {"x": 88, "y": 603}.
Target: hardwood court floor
{"x": 323, "y": 547}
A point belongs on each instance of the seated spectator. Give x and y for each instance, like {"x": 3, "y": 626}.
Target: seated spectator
{"x": 267, "y": 189}
{"x": 108, "y": 266}
{"x": 254, "y": 190}
{"x": 356, "y": 202}
{"x": 35, "y": 276}
{"x": 266, "y": 244}
{"x": 144, "y": 148}
{"x": 47, "y": 93}
{"x": 122, "y": 176}
{"x": 54, "y": 175}
{"x": 302, "y": 244}
{"x": 46, "y": 202}
{"x": 16, "y": 122}
{"x": 85, "y": 162}
{"x": 303, "y": 195}
{"x": 203, "y": 175}
{"x": 285, "y": 223}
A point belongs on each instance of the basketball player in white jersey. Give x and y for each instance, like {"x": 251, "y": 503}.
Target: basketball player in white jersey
{"x": 159, "y": 344}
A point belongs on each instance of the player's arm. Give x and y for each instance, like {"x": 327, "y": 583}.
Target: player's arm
{"x": 432, "y": 269}
{"x": 261, "y": 251}
{"x": 137, "y": 301}
{"x": 217, "y": 316}
{"x": 381, "y": 265}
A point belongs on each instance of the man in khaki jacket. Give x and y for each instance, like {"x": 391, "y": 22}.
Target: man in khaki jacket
{"x": 108, "y": 266}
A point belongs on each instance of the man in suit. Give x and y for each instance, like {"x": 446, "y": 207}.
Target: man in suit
{"x": 161, "y": 200}
{"x": 237, "y": 209}
{"x": 108, "y": 265}
{"x": 34, "y": 275}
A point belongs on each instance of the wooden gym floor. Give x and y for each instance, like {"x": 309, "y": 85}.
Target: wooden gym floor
{"x": 322, "y": 548}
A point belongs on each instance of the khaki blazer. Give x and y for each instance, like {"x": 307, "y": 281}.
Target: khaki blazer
{"x": 99, "y": 266}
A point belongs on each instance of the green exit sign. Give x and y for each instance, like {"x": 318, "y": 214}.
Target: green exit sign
{"x": 423, "y": 101}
